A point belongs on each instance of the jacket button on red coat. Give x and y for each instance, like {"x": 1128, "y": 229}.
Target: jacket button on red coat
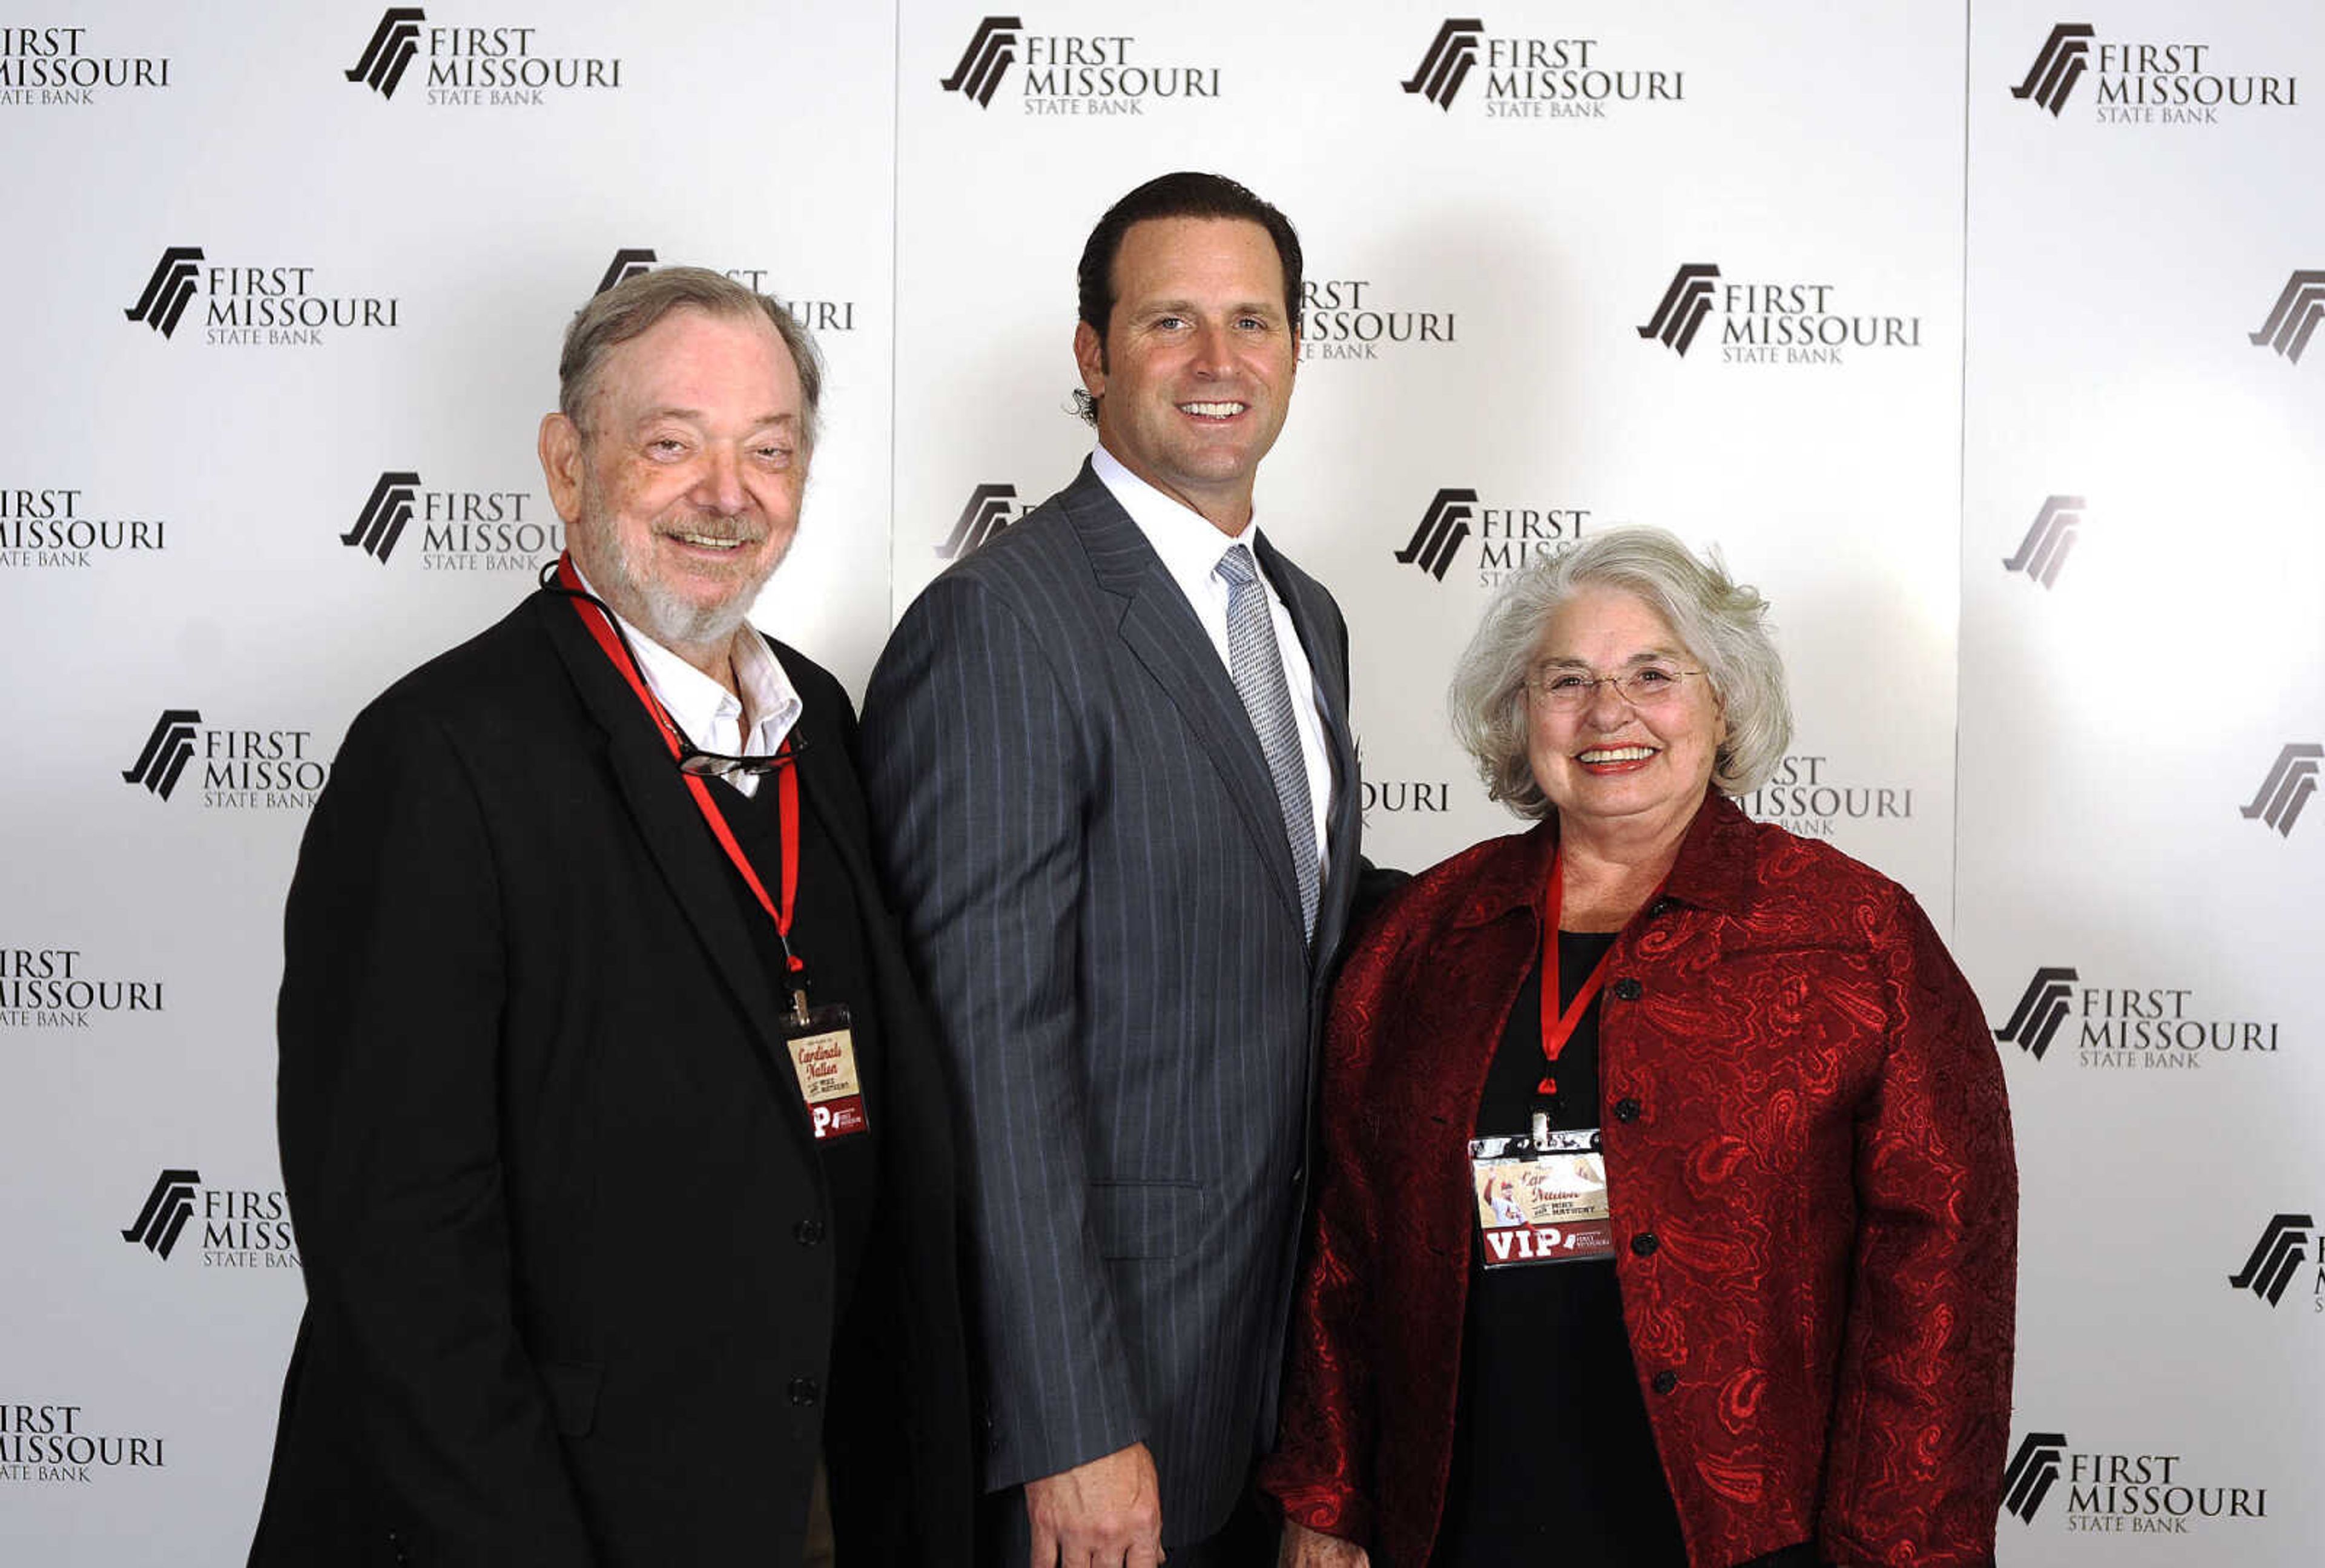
{"x": 1628, "y": 988}
{"x": 1664, "y": 1382}
{"x": 1645, "y": 1244}
{"x": 1627, "y": 1109}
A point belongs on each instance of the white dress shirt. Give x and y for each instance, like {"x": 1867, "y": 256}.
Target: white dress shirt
{"x": 1190, "y": 547}
{"x": 711, "y": 715}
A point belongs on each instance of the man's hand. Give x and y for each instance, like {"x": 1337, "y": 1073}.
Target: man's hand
{"x": 1106, "y": 1514}
{"x": 1305, "y": 1548}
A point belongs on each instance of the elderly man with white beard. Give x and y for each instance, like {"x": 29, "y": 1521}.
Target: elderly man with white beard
{"x": 622, "y": 1170}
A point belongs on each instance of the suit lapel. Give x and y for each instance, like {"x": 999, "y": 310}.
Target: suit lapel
{"x": 1161, "y": 630}
{"x": 668, "y": 821}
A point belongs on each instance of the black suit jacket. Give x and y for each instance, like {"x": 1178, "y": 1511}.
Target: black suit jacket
{"x": 1092, "y": 867}
{"x": 570, "y": 1287}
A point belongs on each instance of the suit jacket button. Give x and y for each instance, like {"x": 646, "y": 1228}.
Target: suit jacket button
{"x": 1628, "y": 988}
{"x": 1645, "y": 1244}
{"x": 808, "y": 1232}
{"x": 1660, "y": 906}
{"x": 1627, "y": 1109}
{"x": 803, "y": 1391}
{"x": 1664, "y": 1382}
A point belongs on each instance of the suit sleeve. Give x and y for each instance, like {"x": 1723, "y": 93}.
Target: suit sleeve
{"x": 389, "y": 1114}
{"x": 978, "y": 783}
{"x": 1922, "y": 1413}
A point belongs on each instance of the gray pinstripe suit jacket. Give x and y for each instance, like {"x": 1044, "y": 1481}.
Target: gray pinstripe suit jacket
{"x": 1091, "y": 868}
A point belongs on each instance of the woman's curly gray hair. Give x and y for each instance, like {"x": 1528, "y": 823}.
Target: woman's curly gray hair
{"x": 1724, "y": 624}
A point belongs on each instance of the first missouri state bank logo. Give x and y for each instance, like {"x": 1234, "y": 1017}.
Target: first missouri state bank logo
{"x": 239, "y": 1227}
{"x": 2065, "y": 56}
{"x": 474, "y": 67}
{"x": 990, "y": 508}
{"x": 2049, "y": 542}
{"x": 167, "y": 1208}
{"x": 2294, "y": 317}
{"x": 820, "y": 317}
{"x": 1771, "y": 323}
{"x": 1510, "y": 538}
{"x": 2041, "y": 1010}
{"x": 1535, "y": 77}
{"x": 167, "y": 751}
{"x": 2033, "y": 1470}
{"x": 2285, "y": 1245}
{"x": 467, "y": 530}
{"x": 1443, "y": 528}
{"x": 393, "y": 44}
{"x": 2122, "y": 1492}
{"x": 1680, "y": 313}
{"x": 264, "y": 305}
{"x": 385, "y": 514}
{"x": 169, "y": 290}
{"x": 2145, "y": 1026}
{"x": 2292, "y": 779}
{"x": 1072, "y": 73}
{"x": 991, "y": 51}
{"x": 1447, "y": 65}
{"x": 241, "y": 769}
{"x": 2145, "y": 83}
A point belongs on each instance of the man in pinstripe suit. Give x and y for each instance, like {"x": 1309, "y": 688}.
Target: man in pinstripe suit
{"x": 1091, "y": 787}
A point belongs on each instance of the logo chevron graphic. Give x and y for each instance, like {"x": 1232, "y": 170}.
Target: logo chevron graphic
{"x": 2298, "y": 310}
{"x": 627, "y": 264}
{"x": 2046, "y": 545}
{"x": 167, "y": 751}
{"x": 2040, "y": 1011}
{"x": 2274, "y": 1257}
{"x": 384, "y": 513}
{"x": 2065, "y": 57}
{"x": 393, "y": 44}
{"x": 167, "y": 291}
{"x": 2032, "y": 1470}
{"x": 986, "y": 515}
{"x": 2292, "y": 779}
{"x": 1451, "y": 53}
{"x": 986, "y": 61}
{"x": 1684, "y": 306}
{"x": 167, "y": 1208}
{"x": 1442, "y": 529}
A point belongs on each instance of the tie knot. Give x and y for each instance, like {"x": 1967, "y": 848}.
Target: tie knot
{"x": 1238, "y": 566}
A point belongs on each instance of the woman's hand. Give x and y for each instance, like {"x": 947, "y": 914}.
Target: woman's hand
{"x": 1305, "y": 1548}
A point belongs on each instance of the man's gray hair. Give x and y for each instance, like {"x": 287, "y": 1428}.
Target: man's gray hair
{"x": 638, "y": 302}
{"x": 1723, "y": 625}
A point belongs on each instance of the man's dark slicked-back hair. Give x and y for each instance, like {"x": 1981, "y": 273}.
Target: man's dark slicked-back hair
{"x": 1185, "y": 194}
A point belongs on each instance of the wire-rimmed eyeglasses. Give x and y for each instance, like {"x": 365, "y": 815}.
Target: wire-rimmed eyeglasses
{"x": 1564, "y": 689}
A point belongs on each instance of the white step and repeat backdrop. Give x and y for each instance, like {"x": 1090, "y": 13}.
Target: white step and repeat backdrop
{"x": 1974, "y": 334}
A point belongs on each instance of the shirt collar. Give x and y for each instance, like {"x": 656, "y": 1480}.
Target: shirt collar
{"x": 1713, "y": 870}
{"x": 1189, "y": 545}
{"x": 697, "y": 703}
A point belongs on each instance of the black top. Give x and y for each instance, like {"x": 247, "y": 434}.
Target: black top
{"x": 827, "y": 937}
{"x": 1553, "y": 1460}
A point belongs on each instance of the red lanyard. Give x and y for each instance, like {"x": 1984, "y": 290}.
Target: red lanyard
{"x": 1556, "y": 1027}
{"x": 786, "y": 777}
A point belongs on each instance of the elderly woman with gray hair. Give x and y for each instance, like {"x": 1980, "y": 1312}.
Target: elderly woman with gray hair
{"x": 1667, "y": 1211}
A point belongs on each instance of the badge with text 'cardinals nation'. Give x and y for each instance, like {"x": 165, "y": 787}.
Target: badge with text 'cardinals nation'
{"x": 824, "y": 1055}
{"x": 1542, "y": 1199}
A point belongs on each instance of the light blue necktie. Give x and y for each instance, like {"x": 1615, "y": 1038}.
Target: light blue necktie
{"x": 1255, "y": 663}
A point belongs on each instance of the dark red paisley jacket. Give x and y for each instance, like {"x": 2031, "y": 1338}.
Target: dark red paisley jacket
{"x": 1815, "y": 1205}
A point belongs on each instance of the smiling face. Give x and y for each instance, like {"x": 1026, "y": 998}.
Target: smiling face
{"x": 682, "y": 492}
{"x": 1195, "y": 372}
{"x": 1610, "y": 763}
